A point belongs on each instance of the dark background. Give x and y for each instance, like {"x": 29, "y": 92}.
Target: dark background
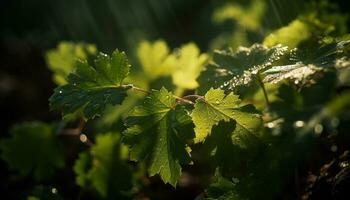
{"x": 28, "y": 28}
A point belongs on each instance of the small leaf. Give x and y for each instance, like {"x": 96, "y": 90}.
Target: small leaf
{"x": 153, "y": 136}
{"x": 218, "y": 106}
{"x": 33, "y": 149}
{"x": 92, "y": 88}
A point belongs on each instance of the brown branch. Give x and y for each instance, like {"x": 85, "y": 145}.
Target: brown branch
{"x": 180, "y": 99}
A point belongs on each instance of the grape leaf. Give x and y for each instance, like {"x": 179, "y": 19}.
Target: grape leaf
{"x": 230, "y": 69}
{"x": 61, "y": 60}
{"x": 92, "y": 88}
{"x": 152, "y": 57}
{"x": 104, "y": 168}
{"x": 153, "y": 136}
{"x": 248, "y": 17}
{"x": 306, "y": 66}
{"x": 33, "y": 149}
{"x": 216, "y": 107}
{"x": 291, "y": 35}
{"x": 187, "y": 64}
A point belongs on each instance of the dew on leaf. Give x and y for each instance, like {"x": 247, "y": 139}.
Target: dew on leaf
{"x": 299, "y": 124}
{"x": 83, "y": 138}
{"x": 318, "y": 128}
{"x": 334, "y": 148}
{"x": 344, "y": 164}
{"x": 54, "y": 191}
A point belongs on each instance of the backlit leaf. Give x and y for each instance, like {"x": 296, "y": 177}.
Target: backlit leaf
{"x": 92, "y": 88}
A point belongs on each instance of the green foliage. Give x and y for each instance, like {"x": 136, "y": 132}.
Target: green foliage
{"x": 216, "y": 106}
{"x": 183, "y": 65}
{"x": 248, "y": 17}
{"x": 254, "y": 135}
{"x": 152, "y": 58}
{"x": 61, "y": 61}
{"x": 187, "y": 63}
{"x": 306, "y": 66}
{"x": 153, "y": 136}
{"x": 92, "y": 88}
{"x": 33, "y": 149}
{"x": 104, "y": 169}
{"x": 292, "y": 35}
{"x": 231, "y": 69}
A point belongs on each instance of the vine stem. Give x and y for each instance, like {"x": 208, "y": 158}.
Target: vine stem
{"x": 261, "y": 84}
{"x": 180, "y": 99}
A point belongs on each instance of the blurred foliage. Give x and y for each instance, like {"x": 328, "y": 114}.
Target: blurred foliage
{"x": 104, "y": 169}
{"x": 62, "y": 59}
{"x": 271, "y": 114}
{"x": 33, "y": 149}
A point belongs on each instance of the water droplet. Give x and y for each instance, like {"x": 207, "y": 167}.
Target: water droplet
{"x": 344, "y": 164}
{"x": 217, "y": 101}
{"x": 296, "y": 82}
{"x": 318, "y": 129}
{"x": 83, "y": 138}
{"x": 167, "y": 96}
{"x": 299, "y": 124}
{"x": 271, "y": 125}
{"x": 60, "y": 92}
{"x": 235, "y": 180}
{"x": 54, "y": 191}
{"x": 334, "y": 148}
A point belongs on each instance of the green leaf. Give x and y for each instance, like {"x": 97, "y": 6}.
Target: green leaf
{"x": 231, "y": 69}
{"x": 291, "y": 35}
{"x": 33, "y": 149}
{"x": 152, "y": 57}
{"x": 91, "y": 88}
{"x": 61, "y": 60}
{"x": 216, "y": 107}
{"x": 248, "y": 17}
{"x": 187, "y": 64}
{"x": 307, "y": 66}
{"x": 184, "y": 65}
{"x": 153, "y": 136}
{"x": 104, "y": 168}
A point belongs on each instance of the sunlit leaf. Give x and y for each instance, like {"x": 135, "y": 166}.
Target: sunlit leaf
{"x": 187, "y": 64}
{"x": 217, "y": 106}
{"x": 290, "y": 35}
{"x": 248, "y": 17}
{"x": 152, "y": 56}
{"x": 306, "y": 65}
{"x": 231, "y": 69}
